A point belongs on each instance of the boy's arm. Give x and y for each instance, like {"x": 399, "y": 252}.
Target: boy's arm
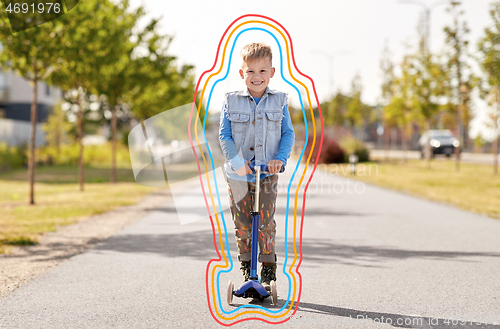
{"x": 287, "y": 137}
{"x": 226, "y": 141}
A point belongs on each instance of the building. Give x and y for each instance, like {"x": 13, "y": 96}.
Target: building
{"x": 16, "y": 94}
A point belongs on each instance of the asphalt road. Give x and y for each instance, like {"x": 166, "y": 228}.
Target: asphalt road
{"x": 372, "y": 258}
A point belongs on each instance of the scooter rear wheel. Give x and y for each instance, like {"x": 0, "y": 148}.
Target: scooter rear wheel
{"x": 274, "y": 293}
{"x": 230, "y": 287}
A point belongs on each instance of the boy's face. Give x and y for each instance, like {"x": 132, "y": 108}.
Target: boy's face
{"x": 257, "y": 73}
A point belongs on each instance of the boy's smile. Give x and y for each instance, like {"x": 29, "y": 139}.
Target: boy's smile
{"x": 257, "y": 73}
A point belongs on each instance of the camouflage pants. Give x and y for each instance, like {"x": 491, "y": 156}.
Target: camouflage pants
{"x": 241, "y": 199}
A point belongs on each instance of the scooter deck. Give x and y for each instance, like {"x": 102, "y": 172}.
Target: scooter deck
{"x": 251, "y": 289}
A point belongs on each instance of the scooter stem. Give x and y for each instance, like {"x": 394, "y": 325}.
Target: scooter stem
{"x": 255, "y": 226}
{"x": 257, "y": 189}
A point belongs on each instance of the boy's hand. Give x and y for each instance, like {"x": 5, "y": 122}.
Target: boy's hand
{"x": 244, "y": 170}
{"x": 274, "y": 166}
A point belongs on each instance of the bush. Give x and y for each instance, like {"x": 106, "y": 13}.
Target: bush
{"x": 352, "y": 145}
{"x": 12, "y": 157}
{"x": 93, "y": 155}
{"x": 331, "y": 152}
{"x": 48, "y": 155}
{"x": 101, "y": 154}
{"x": 19, "y": 241}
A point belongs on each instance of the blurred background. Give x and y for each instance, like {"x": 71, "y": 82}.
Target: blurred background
{"x": 411, "y": 86}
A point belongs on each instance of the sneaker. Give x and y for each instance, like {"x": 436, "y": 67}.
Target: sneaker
{"x": 268, "y": 274}
{"x": 245, "y": 267}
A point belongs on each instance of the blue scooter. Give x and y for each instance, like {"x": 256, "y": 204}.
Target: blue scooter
{"x": 253, "y": 288}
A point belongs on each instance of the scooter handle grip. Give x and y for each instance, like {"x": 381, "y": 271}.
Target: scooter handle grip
{"x": 264, "y": 168}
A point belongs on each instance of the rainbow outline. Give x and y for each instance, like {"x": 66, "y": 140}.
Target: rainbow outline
{"x": 289, "y": 52}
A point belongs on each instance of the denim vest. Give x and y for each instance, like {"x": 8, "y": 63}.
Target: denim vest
{"x": 256, "y": 128}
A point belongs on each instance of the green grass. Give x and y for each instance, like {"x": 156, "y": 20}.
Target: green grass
{"x": 19, "y": 241}
{"x": 68, "y": 175}
{"x": 59, "y": 200}
{"x": 474, "y": 187}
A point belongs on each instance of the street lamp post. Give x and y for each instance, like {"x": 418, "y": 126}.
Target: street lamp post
{"x": 331, "y": 59}
{"x": 427, "y": 11}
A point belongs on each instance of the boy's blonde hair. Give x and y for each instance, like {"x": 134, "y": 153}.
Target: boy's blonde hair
{"x": 256, "y": 51}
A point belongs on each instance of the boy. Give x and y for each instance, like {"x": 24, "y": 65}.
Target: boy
{"x": 255, "y": 126}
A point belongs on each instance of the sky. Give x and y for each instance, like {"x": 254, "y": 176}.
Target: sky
{"x": 354, "y": 31}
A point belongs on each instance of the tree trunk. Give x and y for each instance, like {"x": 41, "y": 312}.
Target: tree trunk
{"x": 113, "y": 144}
{"x": 459, "y": 134}
{"x": 495, "y": 154}
{"x": 495, "y": 141}
{"x": 31, "y": 162}
{"x": 460, "y": 107}
{"x": 387, "y": 136}
{"x": 394, "y": 139}
{"x": 58, "y": 140}
{"x": 80, "y": 142}
{"x": 405, "y": 145}
{"x": 467, "y": 140}
{"x": 428, "y": 150}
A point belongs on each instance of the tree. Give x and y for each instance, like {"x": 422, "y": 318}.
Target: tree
{"x": 358, "y": 115}
{"x": 90, "y": 40}
{"x": 142, "y": 76}
{"x": 400, "y": 111}
{"x": 172, "y": 87}
{"x": 116, "y": 74}
{"x": 460, "y": 76}
{"x": 490, "y": 63}
{"x": 479, "y": 143}
{"x": 160, "y": 85}
{"x": 30, "y": 53}
{"x": 336, "y": 110}
{"x": 493, "y": 99}
{"x": 427, "y": 79}
{"x": 56, "y": 129}
{"x": 387, "y": 93}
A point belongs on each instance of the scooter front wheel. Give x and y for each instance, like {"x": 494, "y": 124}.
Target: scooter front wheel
{"x": 230, "y": 288}
{"x": 274, "y": 293}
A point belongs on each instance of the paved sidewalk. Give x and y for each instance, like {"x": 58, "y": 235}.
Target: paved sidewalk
{"x": 370, "y": 256}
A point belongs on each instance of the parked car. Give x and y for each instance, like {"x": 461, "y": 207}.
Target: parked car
{"x": 441, "y": 142}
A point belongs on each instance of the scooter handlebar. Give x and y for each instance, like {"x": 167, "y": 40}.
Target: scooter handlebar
{"x": 264, "y": 168}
